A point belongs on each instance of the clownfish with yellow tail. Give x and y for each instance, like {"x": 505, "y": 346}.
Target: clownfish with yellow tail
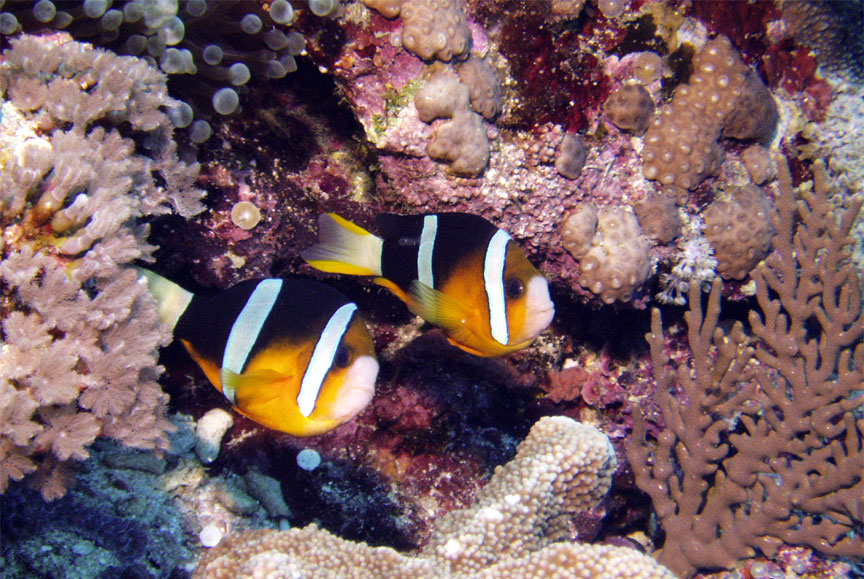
{"x": 292, "y": 355}
{"x": 455, "y": 270}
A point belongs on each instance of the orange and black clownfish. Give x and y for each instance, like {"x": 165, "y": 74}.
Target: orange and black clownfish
{"x": 455, "y": 270}
{"x": 293, "y": 355}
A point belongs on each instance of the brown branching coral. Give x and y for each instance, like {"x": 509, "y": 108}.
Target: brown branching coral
{"x": 766, "y": 445}
{"x": 517, "y": 528}
{"x": 79, "y": 331}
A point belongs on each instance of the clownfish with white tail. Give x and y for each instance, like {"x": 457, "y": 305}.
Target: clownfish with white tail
{"x": 292, "y": 355}
{"x": 455, "y": 270}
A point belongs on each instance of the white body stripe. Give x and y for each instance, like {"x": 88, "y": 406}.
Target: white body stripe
{"x": 246, "y": 328}
{"x": 322, "y": 358}
{"x": 424, "y": 253}
{"x": 493, "y": 277}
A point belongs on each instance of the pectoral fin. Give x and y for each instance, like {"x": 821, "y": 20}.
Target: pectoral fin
{"x": 440, "y": 309}
{"x": 250, "y": 390}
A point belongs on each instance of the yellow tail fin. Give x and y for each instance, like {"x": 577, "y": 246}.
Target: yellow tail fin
{"x": 344, "y": 248}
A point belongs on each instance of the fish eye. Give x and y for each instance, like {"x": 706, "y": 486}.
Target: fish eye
{"x": 342, "y": 358}
{"x": 514, "y": 288}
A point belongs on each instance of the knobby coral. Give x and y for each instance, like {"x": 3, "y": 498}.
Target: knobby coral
{"x": 79, "y": 331}
{"x": 517, "y": 528}
{"x": 765, "y": 437}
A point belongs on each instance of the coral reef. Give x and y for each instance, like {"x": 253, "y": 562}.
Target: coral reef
{"x": 80, "y": 332}
{"x": 831, "y": 30}
{"x": 759, "y": 164}
{"x": 658, "y": 217}
{"x": 212, "y": 50}
{"x": 516, "y": 528}
{"x": 441, "y": 96}
{"x": 462, "y": 143}
{"x": 765, "y": 440}
{"x": 435, "y": 29}
{"x": 116, "y": 522}
{"x": 485, "y": 90}
{"x": 693, "y": 264}
{"x": 332, "y": 111}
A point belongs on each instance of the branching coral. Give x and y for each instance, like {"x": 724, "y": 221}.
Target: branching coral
{"x": 79, "y": 332}
{"x": 765, "y": 439}
{"x": 517, "y": 527}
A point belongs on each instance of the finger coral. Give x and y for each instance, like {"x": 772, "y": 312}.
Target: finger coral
{"x": 79, "y": 331}
{"x": 516, "y": 528}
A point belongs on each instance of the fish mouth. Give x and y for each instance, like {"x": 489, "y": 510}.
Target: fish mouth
{"x": 539, "y": 308}
{"x": 537, "y": 319}
{"x": 357, "y": 391}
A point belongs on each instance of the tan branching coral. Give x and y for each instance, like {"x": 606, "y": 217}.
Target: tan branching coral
{"x": 79, "y": 331}
{"x": 517, "y": 527}
{"x": 764, "y": 443}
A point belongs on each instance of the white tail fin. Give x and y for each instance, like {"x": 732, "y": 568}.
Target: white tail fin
{"x": 344, "y": 248}
{"x": 171, "y": 299}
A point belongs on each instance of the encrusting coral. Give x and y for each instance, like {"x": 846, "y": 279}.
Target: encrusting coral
{"x": 764, "y": 444}
{"x": 80, "y": 332}
{"x": 518, "y": 527}
{"x": 480, "y": 78}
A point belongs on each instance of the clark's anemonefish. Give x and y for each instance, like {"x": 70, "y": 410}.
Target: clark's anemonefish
{"x": 293, "y": 355}
{"x": 455, "y": 270}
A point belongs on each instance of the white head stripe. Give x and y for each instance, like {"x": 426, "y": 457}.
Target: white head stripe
{"x": 246, "y": 328}
{"x": 424, "y": 253}
{"x": 493, "y": 276}
{"x": 322, "y": 358}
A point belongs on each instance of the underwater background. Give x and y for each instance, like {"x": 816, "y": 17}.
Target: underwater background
{"x": 686, "y": 174}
